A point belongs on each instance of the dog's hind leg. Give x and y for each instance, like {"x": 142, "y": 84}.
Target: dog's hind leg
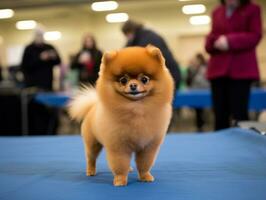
{"x": 92, "y": 150}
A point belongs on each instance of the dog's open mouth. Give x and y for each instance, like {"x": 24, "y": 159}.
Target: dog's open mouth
{"x": 135, "y": 92}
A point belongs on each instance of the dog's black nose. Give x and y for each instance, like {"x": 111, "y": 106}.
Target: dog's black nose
{"x": 133, "y": 86}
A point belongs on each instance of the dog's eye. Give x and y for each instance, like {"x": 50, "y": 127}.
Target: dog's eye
{"x": 144, "y": 79}
{"x": 123, "y": 80}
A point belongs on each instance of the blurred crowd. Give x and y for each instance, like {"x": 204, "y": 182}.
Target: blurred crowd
{"x": 229, "y": 71}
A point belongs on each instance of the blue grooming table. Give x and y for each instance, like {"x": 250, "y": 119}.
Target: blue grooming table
{"x": 229, "y": 164}
{"x": 188, "y": 98}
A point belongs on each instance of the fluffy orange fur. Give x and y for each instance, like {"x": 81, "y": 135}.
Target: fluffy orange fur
{"x": 122, "y": 120}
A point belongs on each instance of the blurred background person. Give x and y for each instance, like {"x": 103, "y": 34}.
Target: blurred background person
{"x": 88, "y": 60}
{"x": 196, "y": 79}
{"x": 235, "y": 33}
{"x": 138, "y": 35}
{"x": 38, "y": 62}
{"x": 1, "y": 78}
{"x": 196, "y": 72}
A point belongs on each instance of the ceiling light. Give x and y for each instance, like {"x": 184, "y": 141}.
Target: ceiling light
{"x": 116, "y": 17}
{"x": 193, "y": 9}
{"x": 26, "y": 25}
{"x": 199, "y": 20}
{"x": 104, "y": 6}
{"x": 52, "y": 35}
{"x": 6, "y": 13}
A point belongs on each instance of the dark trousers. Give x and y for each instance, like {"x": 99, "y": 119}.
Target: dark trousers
{"x": 42, "y": 120}
{"x": 199, "y": 119}
{"x": 230, "y": 101}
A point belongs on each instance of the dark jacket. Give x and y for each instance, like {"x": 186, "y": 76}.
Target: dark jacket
{"x": 37, "y": 72}
{"x": 143, "y": 37}
{"x": 96, "y": 56}
{"x": 243, "y": 31}
{"x": 1, "y": 73}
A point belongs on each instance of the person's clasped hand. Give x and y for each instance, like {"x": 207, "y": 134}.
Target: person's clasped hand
{"x": 48, "y": 55}
{"x": 52, "y": 54}
{"x": 45, "y": 56}
{"x": 84, "y": 57}
{"x": 221, "y": 43}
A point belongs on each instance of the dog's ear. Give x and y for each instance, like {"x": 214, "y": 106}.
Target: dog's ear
{"x": 156, "y": 53}
{"x": 106, "y": 59}
{"x": 109, "y": 56}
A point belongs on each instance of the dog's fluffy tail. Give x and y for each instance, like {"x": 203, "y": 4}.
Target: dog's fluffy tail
{"x": 80, "y": 105}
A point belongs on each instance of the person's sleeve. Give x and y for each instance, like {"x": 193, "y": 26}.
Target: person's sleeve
{"x": 209, "y": 45}
{"x": 57, "y": 60}
{"x": 97, "y": 65}
{"x": 153, "y": 40}
{"x": 29, "y": 62}
{"x": 211, "y": 38}
{"x": 98, "y": 62}
{"x": 75, "y": 64}
{"x": 247, "y": 40}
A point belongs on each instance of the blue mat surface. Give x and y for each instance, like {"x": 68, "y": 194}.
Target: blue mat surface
{"x": 230, "y": 164}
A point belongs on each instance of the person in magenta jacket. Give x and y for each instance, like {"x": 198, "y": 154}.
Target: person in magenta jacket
{"x": 235, "y": 33}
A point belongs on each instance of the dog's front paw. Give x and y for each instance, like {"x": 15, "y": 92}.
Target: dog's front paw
{"x": 91, "y": 172}
{"x": 120, "y": 180}
{"x": 146, "y": 177}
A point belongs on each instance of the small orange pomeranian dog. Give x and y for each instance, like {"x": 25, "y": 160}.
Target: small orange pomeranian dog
{"x": 128, "y": 112}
